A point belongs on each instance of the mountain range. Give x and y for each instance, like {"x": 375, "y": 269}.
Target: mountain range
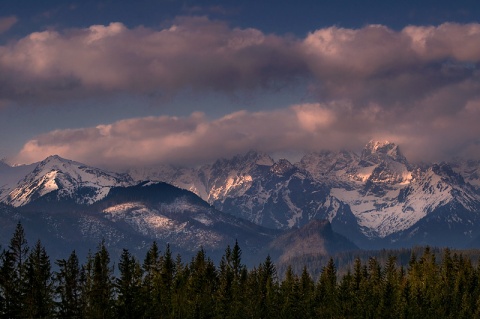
{"x": 375, "y": 199}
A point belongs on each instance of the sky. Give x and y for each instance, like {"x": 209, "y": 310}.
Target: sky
{"x": 132, "y": 83}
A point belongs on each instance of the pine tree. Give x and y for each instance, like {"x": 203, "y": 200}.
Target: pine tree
{"x": 447, "y": 283}
{"x": 86, "y": 283}
{"x": 150, "y": 289}
{"x": 167, "y": 276}
{"x": 68, "y": 288}
{"x": 359, "y": 287}
{"x": 225, "y": 286}
{"x": 267, "y": 290}
{"x": 38, "y": 284}
{"x": 239, "y": 282}
{"x": 290, "y": 296}
{"x": 99, "y": 285}
{"x": 12, "y": 274}
{"x": 180, "y": 291}
{"x": 129, "y": 287}
{"x": 326, "y": 292}
{"x": 7, "y": 285}
{"x": 307, "y": 289}
{"x": 201, "y": 287}
{"x": 346, "y": 298}
{"x": 389, "y": 305}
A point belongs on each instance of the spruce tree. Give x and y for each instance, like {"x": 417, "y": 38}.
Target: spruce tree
{"x": 224, "y": 292}
{"x": 326, "y": 292}
{"x": 389, "y": 305}
{"x": 307, "y": 289}
{"x": 150, "y": 290}
{"x": 38, "y": 284}
{"x": 12, "y": 274}
{"x": 290, "y": 296}
{"x": 7, "y": 285}
{"x": 267, "y": 292}
{"x": 201, "y": 287}
{"x": 68, "y": 288}
{"x": 99, "y": 285}
{"x": 166, "y": 280}
{"x": 239, "y": 271}
{"x": 346, "y": 298}
{"x": 179, "y": 290}
{"x": 128, "y": 286}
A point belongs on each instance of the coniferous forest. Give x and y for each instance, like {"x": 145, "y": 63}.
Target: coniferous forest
{"x": 164, "y": 286}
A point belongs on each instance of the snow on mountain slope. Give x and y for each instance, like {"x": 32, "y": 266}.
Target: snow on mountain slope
{"x": 155, "y": 224}
{"x": 376, "y": 181}
{"x": 328, "y": 166}
{"x": 170, "y": 214}
{"x": 284, "y": 195}
{"x": 67, "y": 178}
{"x": 213, "y": 182}
{"x": 232, "y": 178}
{"x": 469, "y": 169}
{"x": 379, "y": 191}
{"x": 383, "y": 209}
{"x": 379, "y": 162}
{"x": 183, "y": 177}
{"x": 372, "y": 195}
{"x": 11, "y": 175}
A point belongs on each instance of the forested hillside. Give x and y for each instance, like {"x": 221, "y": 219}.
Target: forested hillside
{"x": 165, "y": 286}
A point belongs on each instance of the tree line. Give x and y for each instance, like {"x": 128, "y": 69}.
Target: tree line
{"x": 163, "y": 286}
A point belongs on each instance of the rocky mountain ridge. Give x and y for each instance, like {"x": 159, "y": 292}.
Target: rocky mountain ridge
{"x": 368, "y": 196}
{"x": 375, "y": 198}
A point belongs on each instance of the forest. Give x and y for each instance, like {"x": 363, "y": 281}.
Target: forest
{"x": 164, "y": 286}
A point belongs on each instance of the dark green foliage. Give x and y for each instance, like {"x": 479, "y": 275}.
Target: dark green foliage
{"x": 99, "y": 285}
{"x": 39, "y": 290}
{"x": 129, "y": 285}
{"x": 201, "y": 286}
{"x": 150, "y": 290}
{"x": 326, "y": 294}
{"x": 433, "y": 284}
{"x": 68, "y": 288}
{"x": 12, "y": 275}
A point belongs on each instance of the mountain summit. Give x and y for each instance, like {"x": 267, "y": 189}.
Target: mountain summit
{"x": 375, "y": 198}
{"x": 376, "y": 151}
{"x": 366, "y": 197}
{"x": 64, "y": 179}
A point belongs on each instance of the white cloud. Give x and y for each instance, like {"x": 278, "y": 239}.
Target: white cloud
{"x": 307, "y": 127}
{"x": 193, "y": 53}
{"x": 419, "y": 86}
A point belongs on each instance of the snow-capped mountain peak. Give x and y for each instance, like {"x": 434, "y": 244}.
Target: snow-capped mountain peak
{"x": 66, "y": 177}
{"x": 247, "y": 160}
{"x": 376, "y": 194}
{"x": 281, "y": 167}
{"x": 376, "y": 151}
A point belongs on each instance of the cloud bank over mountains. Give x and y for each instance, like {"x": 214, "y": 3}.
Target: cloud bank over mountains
{"x": 419, "y": 87}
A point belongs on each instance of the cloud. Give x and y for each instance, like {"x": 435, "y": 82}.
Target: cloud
{"x": 185, "y": 140}
{"x": 373, "y": 64}
{"x": 302, "y": 128}
{"x": 377, "y": 64}
{"x": 419, "y": 86}
{"x": 6, "y": 23}
{"x": 192, "y": 53}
